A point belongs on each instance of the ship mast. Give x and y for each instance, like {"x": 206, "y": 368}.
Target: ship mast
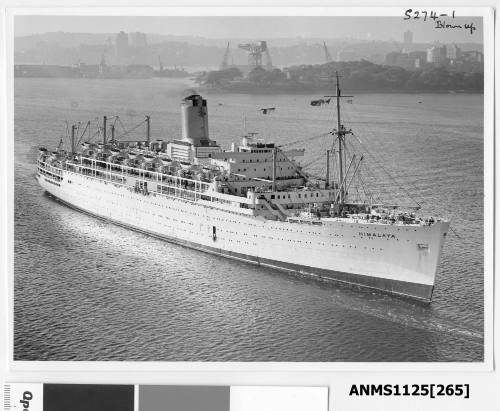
{"x": 73, "y": 129}
{"x": 340, "y": 133}
{"x": 148, "y": 129}
{"x": 341, "y": 141}
{"x": 104, "y": 126}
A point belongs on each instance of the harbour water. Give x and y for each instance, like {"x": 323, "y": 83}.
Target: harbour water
{"x": 88, "y": 290}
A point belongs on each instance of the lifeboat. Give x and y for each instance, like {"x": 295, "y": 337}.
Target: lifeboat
{"x": 104, "y": 154}
{"x": 185, "y": 165}
{"x": 156, "y": 145}
{"x": 157, "y": 163}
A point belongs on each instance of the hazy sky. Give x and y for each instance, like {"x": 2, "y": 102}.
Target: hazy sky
{"x": 371, "y": 28}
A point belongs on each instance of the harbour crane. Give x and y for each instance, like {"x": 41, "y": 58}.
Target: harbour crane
{"x": 255, "y": 52}
{"x": 328, "y": 57}
{"x": 225, "y": 59}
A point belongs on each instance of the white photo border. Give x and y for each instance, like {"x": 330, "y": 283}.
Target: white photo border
{"x": 43, "y": 368}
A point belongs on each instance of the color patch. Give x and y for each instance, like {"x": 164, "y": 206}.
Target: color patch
{"x": 77, "y": 397}
{"x": 279, "y": 399}
{"x": 183, "y": 398}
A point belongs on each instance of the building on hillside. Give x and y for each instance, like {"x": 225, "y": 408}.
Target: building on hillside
{"x": 475, "y": 56}
{"x": 408, "y": 38}
{"x": 453, "y": 52}
{"x": 397, "y": 58}
{"x": 121, "y": 45}
{"x": 417, "y": 59}
{"x": 410, "y": 61}
{"x": 137, "y": 40}
{"x": 437, "y": 55}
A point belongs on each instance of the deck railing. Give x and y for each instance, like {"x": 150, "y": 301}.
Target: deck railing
{"x": 148, "y": 182}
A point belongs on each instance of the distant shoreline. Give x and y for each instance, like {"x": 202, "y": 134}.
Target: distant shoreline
{"x": 316, "y": 91}
{"x": 264, "y": 90}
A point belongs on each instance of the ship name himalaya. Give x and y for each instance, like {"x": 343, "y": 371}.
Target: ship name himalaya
{"x": 253, "y": 202}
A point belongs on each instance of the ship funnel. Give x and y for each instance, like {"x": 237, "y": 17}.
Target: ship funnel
{"x": 195, "y": 120}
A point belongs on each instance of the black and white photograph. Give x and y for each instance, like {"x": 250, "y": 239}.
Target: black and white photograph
{"x": 250, "y": 188}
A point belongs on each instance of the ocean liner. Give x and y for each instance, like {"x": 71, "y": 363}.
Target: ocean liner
{"x": 253, "y": 202}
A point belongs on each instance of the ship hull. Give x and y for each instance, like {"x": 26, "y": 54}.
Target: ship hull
{"x": 388, "y": 260}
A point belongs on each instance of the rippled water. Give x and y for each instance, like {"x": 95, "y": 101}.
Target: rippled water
{"x": 88, "y": 290}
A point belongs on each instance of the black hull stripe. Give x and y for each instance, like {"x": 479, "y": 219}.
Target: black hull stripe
{"x": 421, "y": 292}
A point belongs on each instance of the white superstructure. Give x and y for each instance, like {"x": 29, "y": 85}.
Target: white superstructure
{"x": 252, "y": 203}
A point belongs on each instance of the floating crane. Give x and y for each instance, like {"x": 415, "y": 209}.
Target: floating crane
{"x": 255, "y": 52}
